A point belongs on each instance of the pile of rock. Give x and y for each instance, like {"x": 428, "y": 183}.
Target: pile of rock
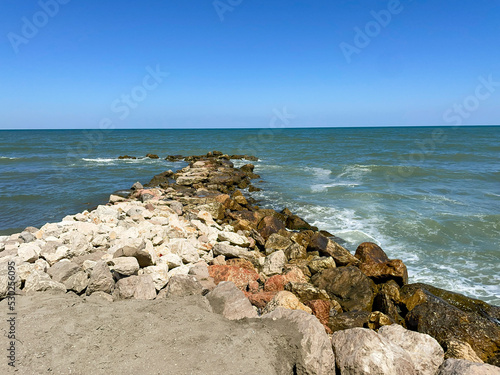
{"x": 195, "y": 232}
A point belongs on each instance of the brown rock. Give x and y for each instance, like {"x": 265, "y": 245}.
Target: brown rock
{"x": 270, "y": 225}
{"x": 307, "y": 292}
{"x": 319, "y": 264}
{"x": 348, "y": 320}
{"x": 294, "y": 222}
{"x": 370, "y": 252}
{"x": 326, "y": 247}
{"x": 377, "y": 320}
{"x": 152, "y": 156}
{"x": 446, "y": 323}
{"x": 348, "y": 286}
{"x": 278, "y": 282}
{"x": 461, "y": 350}
{"x": 295, "y": 251}
{"x": 383, "y": 272}
{"x": 388, "y": 301}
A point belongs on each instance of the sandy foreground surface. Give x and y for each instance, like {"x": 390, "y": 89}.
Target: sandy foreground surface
{"x": 67, "y": 334}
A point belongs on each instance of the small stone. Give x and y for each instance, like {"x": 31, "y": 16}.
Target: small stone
{"x": 287, "y": 300}
{"x": 274, "y": 263}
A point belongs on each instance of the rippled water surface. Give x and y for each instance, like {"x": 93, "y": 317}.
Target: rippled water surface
{"x": 428, "y": 196}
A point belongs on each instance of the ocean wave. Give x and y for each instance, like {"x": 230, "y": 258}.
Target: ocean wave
{"x": 320, "y": 188}
{"x": 113, "y": 160}
{"x": 8, "y": 158}
{"x": 318, "y": 172}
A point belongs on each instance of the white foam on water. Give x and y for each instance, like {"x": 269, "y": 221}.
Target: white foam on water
{"x": 8, "y": 158}
{"x": 319, "y": 188}
{"x": 318, "y": 172}
{"x": 99, "y": 160}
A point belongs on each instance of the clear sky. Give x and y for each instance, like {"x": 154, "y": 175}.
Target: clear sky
{"x": 232, "y": 63}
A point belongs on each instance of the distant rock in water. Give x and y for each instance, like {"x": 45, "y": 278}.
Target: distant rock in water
{"x": 152, "y": 156}
{"x": 126, "y": 157}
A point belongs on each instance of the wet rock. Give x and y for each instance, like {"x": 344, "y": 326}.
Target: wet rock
{"x": 101, "y": 279}
{"x": 425, "y": 352}
{"x": 378, "y": 319}
{"x": 270, "y": 225}
{"x": 152, "y": 156}
{"x": 363, "y": 351}
{"x": 287, "y": 300}
{"x": 126, "y": 157}
{"x": 348, "y": 320}
{"x": 326, "y": 247}
{"x": 376, "y": 264}
{"x": 315, "y": 351}
{"x": 161, "y": 180}
{"x": 388, "y": 301}
{"x": 182, "y": 286}
{"x": 462, "y": 367}
{"x": 294, "y": 222}
{"x": 228, "y": 300}
{"x": 348, "y": 286}
{"x": 458, "y": 300}
{"x": 445, "y": 322}
{"x": 244, "y": 279}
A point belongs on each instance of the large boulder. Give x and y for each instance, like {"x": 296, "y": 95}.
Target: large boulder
{"x": 226, "y": 299}
{"x": 326, "y": 247}
{"x": 277, "y": 242}
{"x": 125, "y": 266}
{"x": 445, "y": 322}
{"x": 426, "y": 353}
{"x": 41, "y": 282}
{"x": 315, "y": 352}
{"x": 348, "y": 286}
{"x": 463, "y": 367}
{"x": 274, "y": 263}
{"x": 361, "y": 351}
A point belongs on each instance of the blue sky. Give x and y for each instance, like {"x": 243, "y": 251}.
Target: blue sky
{"x": 231, "y": 63}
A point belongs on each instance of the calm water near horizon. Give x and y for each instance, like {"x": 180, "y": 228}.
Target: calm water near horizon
{"x": 429, "y": 196}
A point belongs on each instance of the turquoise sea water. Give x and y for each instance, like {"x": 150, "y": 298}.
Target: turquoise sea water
{"x": 429, "y": 196}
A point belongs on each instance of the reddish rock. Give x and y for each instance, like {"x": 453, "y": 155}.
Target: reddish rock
{"x": 321, "y": 310}
{"x": 260, "y": 299}
{"x": 278, "y": 282}
{"x": 243, "y": 263}
{"x": 243, "y": 278}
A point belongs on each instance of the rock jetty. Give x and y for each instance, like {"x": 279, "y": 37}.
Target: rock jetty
{"x": 198, "y": 231}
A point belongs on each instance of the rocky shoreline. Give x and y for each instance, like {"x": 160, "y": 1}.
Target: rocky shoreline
{"x": 198, "y": 232}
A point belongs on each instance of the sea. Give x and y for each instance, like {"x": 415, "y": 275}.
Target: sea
{"x": 427, "y": 195}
